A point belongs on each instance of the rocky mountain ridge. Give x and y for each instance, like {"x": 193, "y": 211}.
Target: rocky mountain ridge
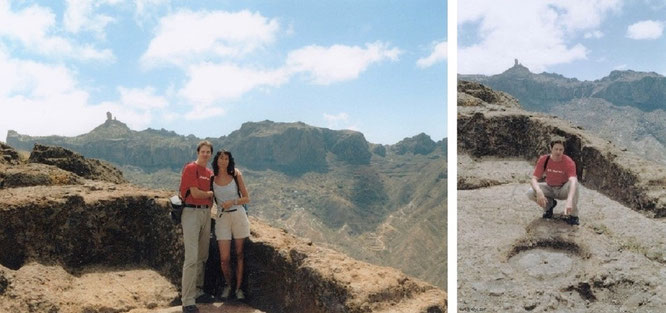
{"x": 538, "y": 92}
{"x": 627, "y": 107}
{"x": 116, "y": 244}
{"x": 291, "y": 148}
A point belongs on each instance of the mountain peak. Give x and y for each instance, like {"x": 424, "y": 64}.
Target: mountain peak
{"x": 518, "y": 69}
{"x": 419, "y": 144}
{"x": 111, "y": 128}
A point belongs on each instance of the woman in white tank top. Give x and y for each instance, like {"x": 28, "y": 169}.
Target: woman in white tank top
{"x": 232, "y": 223}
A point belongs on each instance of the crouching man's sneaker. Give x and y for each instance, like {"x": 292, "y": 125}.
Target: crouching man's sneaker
{"x": 190, "y": 309}
{"x": 573, "y": 220}
{"x": 549, "y": 211}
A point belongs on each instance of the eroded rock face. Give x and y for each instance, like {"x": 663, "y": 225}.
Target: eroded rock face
{"x": 494, "y": 129}
{"x": 476, "y": 94}
{"x": 76, "y": 163}
{"x": 58, "y": 236}
{"x": 8, "y": 155}
{"x": 90, "y": 224}
{"x": 352, "y": 148}
{"x": 290, "y": 274}
{"x": 35, "y": 174}
{"x": 295, "y": 148}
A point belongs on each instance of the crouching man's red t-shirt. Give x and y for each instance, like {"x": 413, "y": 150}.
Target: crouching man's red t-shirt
{"x": 557, "y": 173}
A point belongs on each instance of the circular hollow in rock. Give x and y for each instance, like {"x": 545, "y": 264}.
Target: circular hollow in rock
{"x": 544, "y": 263}
{"x": 546, "y": 258}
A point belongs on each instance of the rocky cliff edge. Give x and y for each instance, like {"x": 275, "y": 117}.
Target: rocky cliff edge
{"x": 490, "y": 123}
{"x": 75, "y": 244}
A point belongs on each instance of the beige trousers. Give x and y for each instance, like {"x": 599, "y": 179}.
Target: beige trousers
{"x": 559, "y": 193}
{"x": 196, "y": 238}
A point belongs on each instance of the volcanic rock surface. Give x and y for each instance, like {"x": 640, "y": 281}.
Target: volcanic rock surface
{"x": 96, "y": 246}
{"x": 512, "y": 260}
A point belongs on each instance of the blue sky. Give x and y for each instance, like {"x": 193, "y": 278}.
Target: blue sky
{"x": 206, "y": 67}
{"x": 582, "y": 39}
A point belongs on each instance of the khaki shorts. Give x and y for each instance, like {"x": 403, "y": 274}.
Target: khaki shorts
{"x": 232, "y": 225}
{"x": 559, "y": 193}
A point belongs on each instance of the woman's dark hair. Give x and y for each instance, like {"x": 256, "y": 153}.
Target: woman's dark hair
{"x": 231, "y": 168}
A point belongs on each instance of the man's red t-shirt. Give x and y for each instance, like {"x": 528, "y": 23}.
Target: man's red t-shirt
{"x": 195, "y": 176}
{"x": 557, "y": 173}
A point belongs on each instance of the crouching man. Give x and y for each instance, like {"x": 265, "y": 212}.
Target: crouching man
{"x": 561, "y": 182}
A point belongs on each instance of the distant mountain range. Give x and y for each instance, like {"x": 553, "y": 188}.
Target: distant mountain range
{"x": 385, "y": 204}
{"x": 626, "y": 107}
{"x": 291, "y": 148}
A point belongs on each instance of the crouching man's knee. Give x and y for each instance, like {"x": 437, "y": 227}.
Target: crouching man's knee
{"x": 531, "y": 194}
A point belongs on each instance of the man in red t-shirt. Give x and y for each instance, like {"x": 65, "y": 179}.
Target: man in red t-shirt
{"x": 561, "y": 182}
{"x": 196, "y": 193}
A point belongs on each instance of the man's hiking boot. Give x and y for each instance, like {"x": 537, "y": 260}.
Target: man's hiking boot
{"x": 573, "y": 220}
{"x": 549, "y": 211}
{"x": 205, "y": 298}
{"x": 190, "y": 309}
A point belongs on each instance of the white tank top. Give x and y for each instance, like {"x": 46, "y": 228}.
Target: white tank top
{"x": 226, "y": 193}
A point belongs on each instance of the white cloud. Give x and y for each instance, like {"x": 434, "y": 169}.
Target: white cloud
{"x": 200, "y": 112}
{"x": 148, "y": 12}
{"x": 338, "y": 62}
{"x": 339, "y": 121}
{"x": 209, "y": 83}
{"x": 143, "y": 7}
{"x": 438, "y": 54}
{"x": 32, "y": 79}
{"x": 645, "y": 30}
{"x": 334, "y": 121}
{"x": 34, "y": 26}
{"x": 80, "y": 15}
{"x": 170, "y": 116}
{"x": 188, "y": 37}
{"x": 342, "y": 116}
{"x": 43, "y": 99}
{"x": 594, "y": 34}
{"x": 538, "y": 33}
{"x": 142, "y": 99}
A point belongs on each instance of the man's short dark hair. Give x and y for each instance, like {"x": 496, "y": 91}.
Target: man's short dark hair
{"x": 205, "y": 143}
{"x": 556, "y": 140}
